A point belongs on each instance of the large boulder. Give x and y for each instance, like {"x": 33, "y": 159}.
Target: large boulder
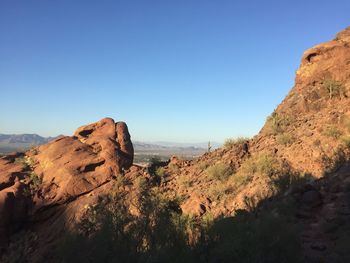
{"x": 110, "y": 139}
{"x": 52, "y": 183}
{"x": 72, "y": 166}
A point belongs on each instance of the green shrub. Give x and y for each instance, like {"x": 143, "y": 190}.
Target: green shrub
{"x": 263, "y": 164}
{"x": 22, "y": 161}
{"x": 217, "y": 190}
{"x": 35, "y": 182}
{"x": 219, "y": 172}
{"x": 120, "y": 181}
{"x": 230, "y": 142}
{"x": 333, "y": 132}
{"x": 140, "y": 184}
{"x": 239, "y": 179}
{"x": 160, "y": 172}
{"x": 267, "y": 165}
{"x": 184, "y": 181}
{"x": 333, "y": 87}
{"x": 25, "y": 161}
{"x": 285, "y": 139}
{"x": 277, "y": 123}
{"x": 108, "y": 231}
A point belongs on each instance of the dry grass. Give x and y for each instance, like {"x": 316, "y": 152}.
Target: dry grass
{"x": 285, "y": 139}
{"x": 263, "y": 164}
{"x": 230, "y": 142}
{"x": 277, "y": 123}
{"x": 219, "y": 172}
{"x": 332, "y": 131}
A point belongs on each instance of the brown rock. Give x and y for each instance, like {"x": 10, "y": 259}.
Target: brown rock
{"x": 126, "y": 149}
{"x": 111, "y": 139}
{"x": 196, "y": 205}
{"x": 72, "y": 166}
{"x": 70, "y": 173}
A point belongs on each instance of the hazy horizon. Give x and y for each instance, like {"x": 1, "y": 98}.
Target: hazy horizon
{"x": 160, "y": 143}
{"x": 177, "y": 71}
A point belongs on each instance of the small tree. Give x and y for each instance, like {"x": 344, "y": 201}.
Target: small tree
{"x": 333, "y": 87}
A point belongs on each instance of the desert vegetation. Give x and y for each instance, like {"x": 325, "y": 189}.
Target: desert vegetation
{"x": 25, "y": 161}
{"x": 277, "y": 123}
{"x": 160, "y": 233}
{"x": 334, "y": 88}
{"x": 285, "y": 139}
{"x": 263, "y": 164}
{"x": 34, "y": 182}
{"x": 230, "y": 142}
{"x": 219, "y": 172}
{"x": 332, "y": 131}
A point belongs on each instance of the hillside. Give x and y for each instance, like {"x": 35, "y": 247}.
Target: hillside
{"x": 282, "y": 196}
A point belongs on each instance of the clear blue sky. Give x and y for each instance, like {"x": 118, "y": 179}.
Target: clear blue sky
{"x": 183, "y": 70}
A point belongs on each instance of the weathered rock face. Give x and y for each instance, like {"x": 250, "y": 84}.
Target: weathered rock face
{"x": 306, "y": 128}
{"x": 72, "y": 166}
{"x": 111, "y": 139}
{"x": 48, "y": 179}
{"x": 125, "y": 149}
{"x": 325, "y": 61}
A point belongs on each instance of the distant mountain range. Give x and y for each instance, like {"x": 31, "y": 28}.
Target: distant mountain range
{"x": 22, "y": 142}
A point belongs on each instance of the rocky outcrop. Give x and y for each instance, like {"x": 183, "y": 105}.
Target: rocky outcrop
{"x": 111, "y": 139}
{"x": 196, "y": 205}
{"x": 72, "y": 166}
{"x": 45, "y": 184}
{"x": 307, "y": 128}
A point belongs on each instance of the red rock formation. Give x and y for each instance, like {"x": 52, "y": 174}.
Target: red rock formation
{"x": 59, "y": 172}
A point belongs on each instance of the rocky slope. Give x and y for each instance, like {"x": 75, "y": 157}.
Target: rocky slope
{"x": 308, "y": 132}
{"x": 304, "y": 145}
{"x": 301, "y": 154}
